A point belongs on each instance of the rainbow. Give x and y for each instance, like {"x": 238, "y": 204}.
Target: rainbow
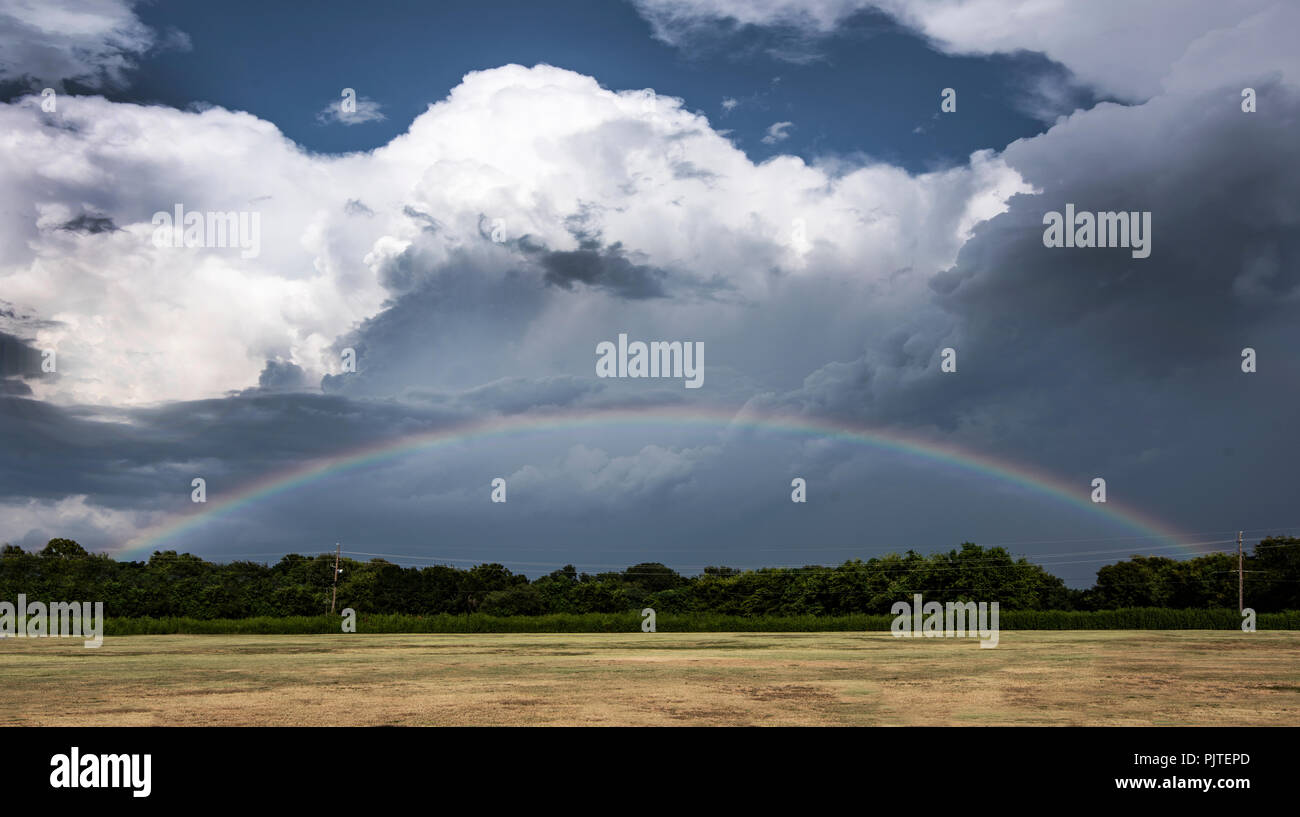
{"x": 1033, "y": 479}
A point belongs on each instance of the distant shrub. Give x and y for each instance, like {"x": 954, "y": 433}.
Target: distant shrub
{"x": 1141, "y": 618}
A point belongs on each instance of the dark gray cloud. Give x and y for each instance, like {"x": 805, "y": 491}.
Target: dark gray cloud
{"x": 598, "y": 496}
{"x": 593, "y": 264}
{"x": 17, "y": 358}
{"x": 89, "y": 223}
{"x": 18, "y": 361}
{"x": 135, "y": 457}
{"x": 1089, "y": 361}
{"x": 431, "y": 224}
{"x": 282, "y": 375}
{"x": 602, "y": 267}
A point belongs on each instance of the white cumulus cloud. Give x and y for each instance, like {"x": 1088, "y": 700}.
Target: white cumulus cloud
{"x": 548, "y": 153}
{"x": 95, "y": 42}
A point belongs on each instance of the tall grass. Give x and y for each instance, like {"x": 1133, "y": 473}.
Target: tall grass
{"x": 1144, "y": 618}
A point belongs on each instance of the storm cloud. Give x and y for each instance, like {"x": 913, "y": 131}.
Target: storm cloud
{"x": 531, "y": 214}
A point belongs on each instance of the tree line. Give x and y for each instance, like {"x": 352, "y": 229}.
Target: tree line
{"x": 181, "y": 584}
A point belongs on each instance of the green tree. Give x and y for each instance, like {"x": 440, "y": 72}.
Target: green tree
{"x": 63, "y": 549}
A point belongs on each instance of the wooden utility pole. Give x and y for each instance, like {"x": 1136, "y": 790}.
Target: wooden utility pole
{"x": 1241, "y": 591}
{"x": 335, "y": 595}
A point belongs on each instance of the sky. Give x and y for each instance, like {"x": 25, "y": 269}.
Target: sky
{"x": 823, "y": 196}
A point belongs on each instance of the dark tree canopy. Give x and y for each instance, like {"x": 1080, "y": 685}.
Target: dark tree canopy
{"x": 181, "y": 584}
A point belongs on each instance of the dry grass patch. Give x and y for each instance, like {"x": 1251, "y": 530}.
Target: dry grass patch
{"x": 1092, "y": 677}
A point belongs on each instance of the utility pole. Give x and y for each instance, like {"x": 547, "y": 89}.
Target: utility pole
{"x": 335, "y": 595}
{"x": 1241, "y": 592}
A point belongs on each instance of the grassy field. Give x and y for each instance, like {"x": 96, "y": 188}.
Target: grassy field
{"x": 1134, "y": 618}
{"x": 1176, "y": 677}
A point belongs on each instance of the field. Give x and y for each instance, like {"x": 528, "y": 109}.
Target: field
{"x": 1177, "y": 677}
